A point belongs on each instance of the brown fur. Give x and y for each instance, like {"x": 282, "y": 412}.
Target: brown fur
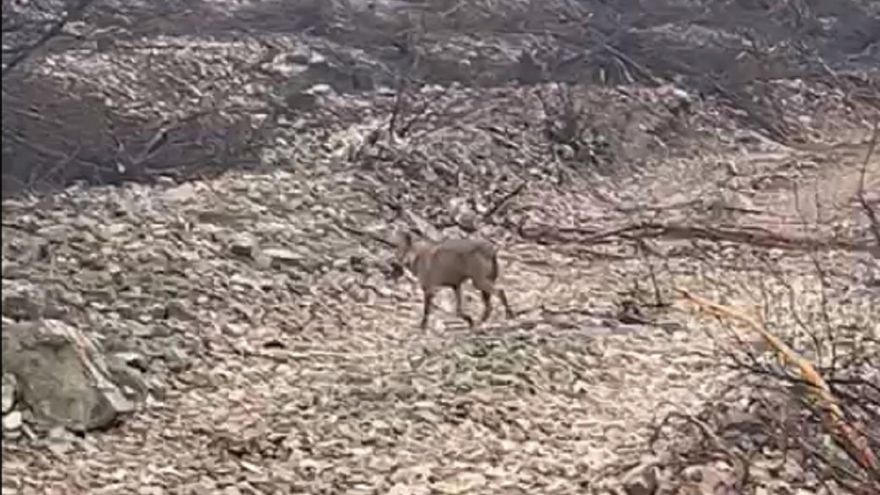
{"x": 450, "y": 263}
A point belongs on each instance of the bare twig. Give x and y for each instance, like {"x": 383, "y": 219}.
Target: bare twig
{"x": 363, "y": 233}
{"x": 397, "y": 111}
{"x": 863, "y": 200}
{"x": 645, "y": 251}
{"x": 504, "y": 200}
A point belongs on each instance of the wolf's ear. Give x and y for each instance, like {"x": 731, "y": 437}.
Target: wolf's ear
{"x": 403, "y": 239}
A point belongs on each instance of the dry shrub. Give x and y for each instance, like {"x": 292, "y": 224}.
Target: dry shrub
{"x": 55, "y": 135}
{"x": 123, "y": 101}
{"x": 804, "y": 408}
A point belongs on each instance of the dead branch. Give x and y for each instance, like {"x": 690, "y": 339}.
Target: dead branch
{"x": 754, "y": 236}
{"x": 627, "y": 60}
{"x": 645, "y": 251}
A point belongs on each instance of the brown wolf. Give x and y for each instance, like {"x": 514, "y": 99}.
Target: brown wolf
{"x": 450, "y": 263}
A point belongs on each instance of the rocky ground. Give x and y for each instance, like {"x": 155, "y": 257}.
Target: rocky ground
{"x": 265, "y": 348}
{"x": 298, "y": 366}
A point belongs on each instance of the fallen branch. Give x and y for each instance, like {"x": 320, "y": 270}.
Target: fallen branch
{"x": 627, "y": 60}
{"x": 755, "y": 236}
{"x": 846, "y": 436}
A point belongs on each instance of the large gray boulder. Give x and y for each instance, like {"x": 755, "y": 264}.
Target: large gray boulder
{"x": 62, "y": 376}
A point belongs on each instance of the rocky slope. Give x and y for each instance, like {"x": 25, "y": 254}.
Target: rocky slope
{"x": 250, "y": 319}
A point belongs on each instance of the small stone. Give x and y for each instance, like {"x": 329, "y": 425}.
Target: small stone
{"x": 60, "y": 434}
{"x": 565, "y": 151}
{"x": 60, "y": 440}
{"x": 642, "y": 480}
{"x": 299, "y": 55}
{"x": 135, "y": 360}
{"x": 181, "y": 193}
{"x": 235, "y": 329}
{"x": 156, "y": 387}
{"x": 386, "y": 91}
{"x": 158, "y": 311}
{"x": 262, "y": 260}
{"x": 12, "y": 434}
{"x": 176, "y": 359}
{"x": 468, "y": 221}
{"x": 462, "y": 483}
{"x": 243, "y": 245}
{"x": 280, "y": 256}
{"x": 140, "y": 330}
{"x": 177, "y": 309}
{"x": 9, "y": 385}
{"x": 732, "y": 169}
{"x": 12, "y": 421}
{"x": 320, "y": 88}
{"x": 60, "y": 448}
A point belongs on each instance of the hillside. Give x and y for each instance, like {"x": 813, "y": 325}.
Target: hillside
{"x": 201, "y": 192}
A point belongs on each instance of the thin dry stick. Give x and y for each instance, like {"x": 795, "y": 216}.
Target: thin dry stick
{"x": 504, "y": 200}
{"x": 853, "y": 442}
{"x": 872, "y": 215}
